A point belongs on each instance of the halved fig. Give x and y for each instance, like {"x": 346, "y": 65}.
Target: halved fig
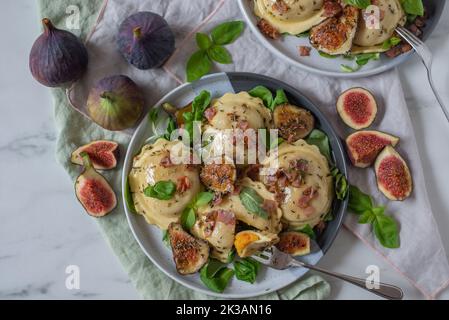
{"x": 393, "y": 175}
{"x": 189, "y": 253}
{"x": 294, "y": 243}
{"x": 357, "y": 108}
{"x": 293, "y": 122}
{"x": 93, "y": 191}
{"x": 102, "y": 153}
{"x": 364, "y": 146}
{"x": 219, "y": 177}
{"x": 335, "y": 34}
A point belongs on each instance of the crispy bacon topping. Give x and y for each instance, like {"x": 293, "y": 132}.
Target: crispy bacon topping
{"x": 269, "y": 206}
{"x": 210, "y": 113}
{"x": 268, "y": 30}
{"x": 183, "y": 184}
{"x": 166, "y": 162}
{"x": 307, "y": 195}
{"x": 304, "y": 51}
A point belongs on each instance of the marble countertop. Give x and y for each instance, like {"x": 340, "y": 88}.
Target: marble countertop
{"x": 43, "y": 228}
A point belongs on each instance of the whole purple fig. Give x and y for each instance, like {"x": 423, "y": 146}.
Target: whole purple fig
{"x": 115, "y": 103}
{"x": 145, "y": 40}
{"x": 57, "y": 57}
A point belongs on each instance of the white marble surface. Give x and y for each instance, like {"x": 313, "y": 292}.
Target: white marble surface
{"x": 43, "y": 228}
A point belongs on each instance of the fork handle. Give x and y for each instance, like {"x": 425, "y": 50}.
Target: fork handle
{"x": 384, "y": 290}
{"x": 435, "y": 92}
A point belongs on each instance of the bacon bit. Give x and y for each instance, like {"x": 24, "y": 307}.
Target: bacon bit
{"x": 218, "y": 198}
{"x": 236, "y": 190}
{"x": 183, "y": 184}
{"x": 331, "y": 8}
{"x": 270, "y": 206}
{"x": 210, "y": 113}
{"x": 243, "y": 124}
{"x": 309, "y": 211}
{"x": 268, "y": 30}
{"x": 300, "y": 164}
{"x": 304, "y": 51}
{"x": 280, "y": 6}
{"x": 166, "y": 162}
{"x": 279, "y": 196}
{"x": 307, "y": 195}
{"x": 381, "y": 14}
{"x": 297, "y": 182}
{"x": 253, "y": 172}
{"x": 227, "y": 217}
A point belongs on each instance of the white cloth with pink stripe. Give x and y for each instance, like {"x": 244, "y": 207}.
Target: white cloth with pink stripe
{"x": 421, "y": 257}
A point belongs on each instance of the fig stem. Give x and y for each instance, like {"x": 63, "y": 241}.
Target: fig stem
{"x": 86, "y": 160}
{"x": 107, "y": 95}
{"x": 48, "y": 26}
{"x": 137, "y": 31}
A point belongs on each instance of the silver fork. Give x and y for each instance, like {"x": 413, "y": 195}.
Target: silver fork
{"x": 426, "y": 56}
{"x": 276, "y": 259}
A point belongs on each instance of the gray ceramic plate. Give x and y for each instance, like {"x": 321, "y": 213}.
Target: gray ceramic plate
{"x": 287, "y": 47}
{"x": 150, "y": 237}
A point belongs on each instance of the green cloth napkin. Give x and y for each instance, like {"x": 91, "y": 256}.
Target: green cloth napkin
{"x": 74, "y": 130}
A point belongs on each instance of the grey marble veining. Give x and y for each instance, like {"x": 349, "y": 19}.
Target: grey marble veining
{"x": 43, "y": 228}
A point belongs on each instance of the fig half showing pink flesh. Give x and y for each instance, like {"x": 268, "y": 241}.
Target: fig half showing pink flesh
{"x": 393, "y": 175}
{"x": 93, "y": 191}
{"x": 102, "y": 153}
{"x": 357, "y": 108}
{"x": 364, "y": 146}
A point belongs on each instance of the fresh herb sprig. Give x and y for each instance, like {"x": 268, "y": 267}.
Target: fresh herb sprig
{"x": 390, "y": 43}
{"x": 413, "y": 7}
{"x": 361, "y": 4}
{"x": 162, "y": 190}
{"x": 211, "y": 48}
{"x": 385, "y": 227}
{"x": 246, "y": 269}
{"x": 215, "y": 275}
{"x": 188, "y": 216}
{"x": 253, "y": 202}
{"x": 199, "y": 104}
{"x": 360, "y": 60}
{"x": 267, "y": 96}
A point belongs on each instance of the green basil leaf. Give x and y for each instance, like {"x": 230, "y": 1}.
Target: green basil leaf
{"x": 199, "y": 104}
{"x": 346, "y": 68}
{"x": 231, "y": 255}
{"x": 319, "y": 138}
{"x": 203, "y": 41}
{"x": 361, "y": 4}
{"x": 279, "y": 99}
{"x": 219, "y": 54}
{"x": 252, "y": 201}
{"x": 307, "y": 230}
{"x": 326, "y": 55}
{"x": 359, "y": 202}
{"x": 340, "y": 184}
{"x": 378, "y": 210}
{"x": 328, "y": 217}
{"x": 386, "y": 231}
{"x": 213, "y": 267}
{"x": 166, "y": 238}
{"x": 152, "y": 115}
{"x": 304, "y": 34}
{"x": 220, "y": 279}
{"x": 162, "y": 190}
{"x": 227, "y": 32}
{"x": 246, "y": 269}
{"x": 366, "y": 217}
{"x": 188, "y": 218}
{"x": 203, "y": 198}
{"x": 390, "y": 43}
{"x": 198, "y": 65}
{"x": 129, "y": 198}
{"x": 276, "y": 143}
{"x": 264, "y": 94}
{"x": 171, "y": 126}
{"x": 413, "y": 7}
{"x": 363, "y": 58}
